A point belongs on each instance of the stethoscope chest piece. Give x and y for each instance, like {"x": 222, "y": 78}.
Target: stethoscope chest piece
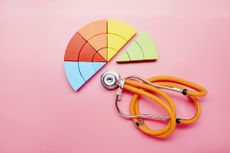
{"x": 109, "y": 80}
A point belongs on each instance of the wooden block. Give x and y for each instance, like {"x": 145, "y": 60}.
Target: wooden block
{"x": 87, "y": 54}
{"x": 73, "y": 75}
{"x": 142, "y": 49}
{"x": 94, "y": 28}
{"x": 74, "y": 47}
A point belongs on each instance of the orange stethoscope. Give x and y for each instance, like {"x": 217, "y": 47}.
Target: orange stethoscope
{"x": 150, "y": 88}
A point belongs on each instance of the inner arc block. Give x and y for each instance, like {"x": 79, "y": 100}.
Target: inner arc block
{"x": 89, "y": 54}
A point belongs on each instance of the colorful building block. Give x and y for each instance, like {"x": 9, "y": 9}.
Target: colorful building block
{"x": 94, "y": 28}
{"x": 74, "y": 47}
{"x": 141, "y": 49}
{"x": 73, "y": 74}
{"x": 119, "y": 34}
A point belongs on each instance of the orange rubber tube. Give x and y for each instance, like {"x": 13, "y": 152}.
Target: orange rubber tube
{"x": 146, "y": 90}
{"x": 170, "y": 109}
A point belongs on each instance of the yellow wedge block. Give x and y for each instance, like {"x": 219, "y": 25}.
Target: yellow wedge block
{"x": 115, "y": 43}
{"x": 119, "y": 34}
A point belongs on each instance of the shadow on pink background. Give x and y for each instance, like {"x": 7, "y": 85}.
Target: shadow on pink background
{"x": 39, "y": 112}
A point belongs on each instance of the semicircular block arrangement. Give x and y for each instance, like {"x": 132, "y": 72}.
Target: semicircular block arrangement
{"x": 92, "y": 47}
{"x": 142, "y": 49}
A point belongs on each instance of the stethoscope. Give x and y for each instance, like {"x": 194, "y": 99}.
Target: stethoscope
{"x": 150, "y": 88}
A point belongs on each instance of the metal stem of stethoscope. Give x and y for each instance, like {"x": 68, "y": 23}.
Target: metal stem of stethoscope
{"x": 153, "y": 84}
{"x": 140, "y": 116}
{"x": 112, "y": 80}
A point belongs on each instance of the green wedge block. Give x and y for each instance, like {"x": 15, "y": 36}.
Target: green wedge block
{"x": 141, "y": 49}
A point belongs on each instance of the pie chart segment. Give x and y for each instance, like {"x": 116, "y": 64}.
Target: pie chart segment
{"x": 99, "y": 41}
{"x": 119, "y": 34}
{"x": 74, "y": 47}
{"x": 94, "y": 28}
{"x": 88, "y": 69}
{"x": 142, "y": 49}
{"x": 115, "y": 43}
{"x": 121, "y": 29}
{"x": 148, "y": 46}
{"x": 73, "y": 74}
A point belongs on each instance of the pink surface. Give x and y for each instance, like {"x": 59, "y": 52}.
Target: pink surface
{"x": 39, "y": 112}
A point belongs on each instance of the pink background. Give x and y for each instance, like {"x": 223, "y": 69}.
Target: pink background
{"x": 40, "y": 113}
